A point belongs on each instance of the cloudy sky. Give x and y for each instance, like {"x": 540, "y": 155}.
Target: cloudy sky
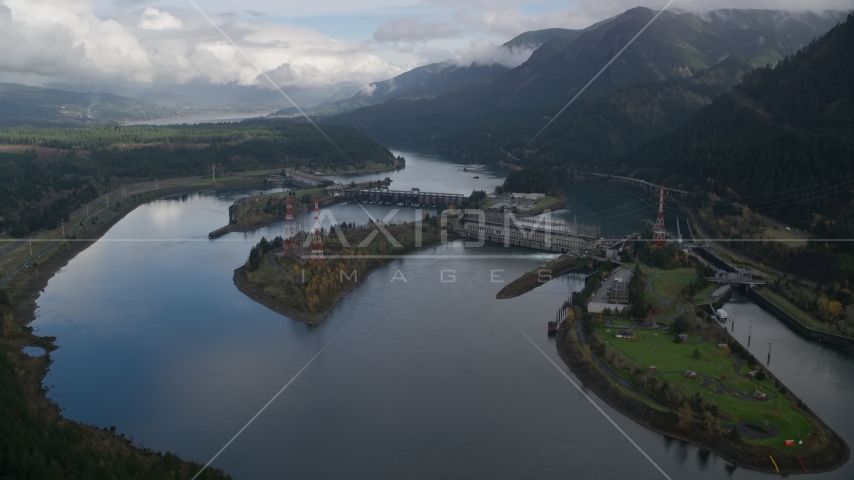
{"x": 298, "y": 43}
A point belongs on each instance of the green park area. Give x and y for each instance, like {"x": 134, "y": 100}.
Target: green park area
{"x": 721, "y": 385}
{"x": 720, "y": 396}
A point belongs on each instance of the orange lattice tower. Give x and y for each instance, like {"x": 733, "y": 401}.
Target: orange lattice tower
{"x": 316, "y": 241}
{"x": 658, "y": 229}
{"x": 290, "y": 247}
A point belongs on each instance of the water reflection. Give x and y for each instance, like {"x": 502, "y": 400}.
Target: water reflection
{"x": 426, "y": 380}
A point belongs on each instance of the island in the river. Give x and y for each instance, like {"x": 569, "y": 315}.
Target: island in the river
{"x": 649, "y": 345}
{"x": 289, "y": 282}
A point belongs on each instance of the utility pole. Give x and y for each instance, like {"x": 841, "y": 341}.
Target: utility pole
{"x": 769, "y": 354}
{"x": 658, "y": 234}
{"x": 749, "y": 334}
{"x": 317, "y": 242}
{"x": 31, "y": 246}
{"x": 108, "y": 199}
{"x": 214, "y": 173}
{"x": 62, "y": 224}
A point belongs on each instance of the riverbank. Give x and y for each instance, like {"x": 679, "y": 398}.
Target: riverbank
{"x": 826, "y": 453}
{"x": 24, "y": 290}
{"x": 540, "y": 275}
{"x": 397, "y": 164}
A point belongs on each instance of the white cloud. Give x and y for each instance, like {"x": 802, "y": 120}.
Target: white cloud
{"x": 64, "y": 39}
{"x": 154, "y": 19}
{"x": 486, "y": 53}
{"x": 127, "y": 41}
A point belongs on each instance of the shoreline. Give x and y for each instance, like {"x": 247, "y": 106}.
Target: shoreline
{"x": 35, "y": 369}
{"x": 531, "y": 280}
{"x": 754, "y": 458}
{"x": 254, "y": 292}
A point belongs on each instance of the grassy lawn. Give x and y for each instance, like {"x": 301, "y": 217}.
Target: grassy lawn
{"x": 788, "y": 238}
{"x": 622, "y": 321}
{"x": 676, "y": 272}
{"x": 658, "y": 348}
{"x": 705, "y": 295}
{"x": 546, "y": 202}
{"x": 671, "y": 286}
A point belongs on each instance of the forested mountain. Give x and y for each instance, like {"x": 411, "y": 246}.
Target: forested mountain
{"x": 20, "y": 103}
{"x": 536, "y": 38}
{"x": 427, "y": 81}
{"x": 72, "y": 166}
{"x": 423, "y": 82}
{"x": 676, "y": 66}
{"x": 781, "y": 142}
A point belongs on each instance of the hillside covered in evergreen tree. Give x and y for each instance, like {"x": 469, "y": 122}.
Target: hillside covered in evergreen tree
{"x": 678, "y": 65}
{"x": 52, "y": 171}
{"x": 782, "y": 142}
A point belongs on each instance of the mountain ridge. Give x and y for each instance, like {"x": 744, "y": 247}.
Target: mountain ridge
{"x": 498, "y": 120}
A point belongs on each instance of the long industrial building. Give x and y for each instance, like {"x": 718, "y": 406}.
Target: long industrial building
{"x": 540, "y": 233}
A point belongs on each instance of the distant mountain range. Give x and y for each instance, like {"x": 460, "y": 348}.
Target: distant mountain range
{"x": 21, "y": 103}
{"x": 430, "y": 80}
{"x": 88, "y": 104}
{"x": 678, "y": 65}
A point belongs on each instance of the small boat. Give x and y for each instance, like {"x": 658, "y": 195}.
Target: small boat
{"x": 475, "y": 177}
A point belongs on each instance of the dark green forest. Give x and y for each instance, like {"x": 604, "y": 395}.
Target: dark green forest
{"x": 679, "y": 65}
{"x": 531, "y": 180}
{"x": 38, "y": 190}
{"x": 782, "y": 142}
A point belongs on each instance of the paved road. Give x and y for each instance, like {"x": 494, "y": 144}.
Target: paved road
{"x": 128, "y": 190}
{"x": 19, "y": 242}
{"x": 783, "y": 226}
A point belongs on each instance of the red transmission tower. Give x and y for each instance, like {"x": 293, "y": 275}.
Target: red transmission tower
{"x": 658, "y": 229}
{"x": 316, "y": 241}
{"x": 290, "y": 247}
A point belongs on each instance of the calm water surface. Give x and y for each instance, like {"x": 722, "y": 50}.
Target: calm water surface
{"x": 195, "y": 119}
{"x": 423, "y": 378}
{"x": 433, "y": 174}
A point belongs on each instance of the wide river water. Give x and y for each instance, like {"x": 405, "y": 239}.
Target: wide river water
{"x": 422, "y": 378}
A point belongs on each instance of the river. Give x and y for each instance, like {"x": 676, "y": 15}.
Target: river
{"x": 422, "y": 378}
{"x": 222, "y": 117}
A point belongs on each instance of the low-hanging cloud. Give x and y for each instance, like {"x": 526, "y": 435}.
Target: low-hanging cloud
{"x": 485, "y": 53}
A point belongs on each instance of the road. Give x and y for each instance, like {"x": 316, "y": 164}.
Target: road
{"x": 129, "y": 190}
{"x": 783, "y": 226}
